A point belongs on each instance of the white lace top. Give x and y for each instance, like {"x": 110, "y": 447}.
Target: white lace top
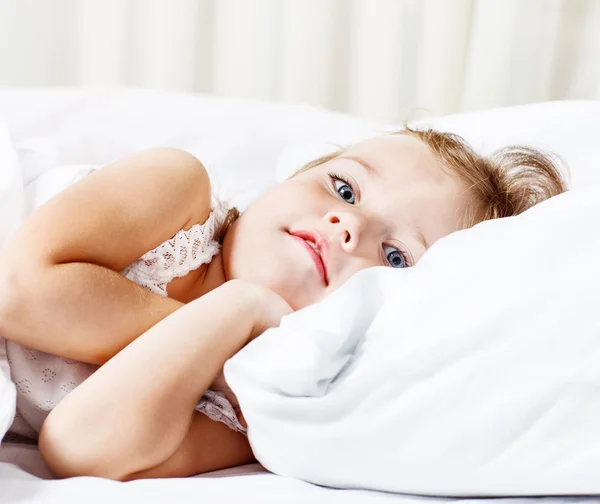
{"x": 42, "y": 379}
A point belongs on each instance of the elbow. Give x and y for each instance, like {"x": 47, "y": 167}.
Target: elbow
{"x": 70, "y": 453}
{"x": 58, "y": 449}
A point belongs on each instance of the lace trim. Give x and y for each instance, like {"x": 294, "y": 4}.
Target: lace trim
{"x": 176, "y": 257}
{"x": 216, "y": 407}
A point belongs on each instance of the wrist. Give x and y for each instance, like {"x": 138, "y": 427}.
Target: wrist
{"x": 246, "y": 301}
{"x": 259, "y": 305}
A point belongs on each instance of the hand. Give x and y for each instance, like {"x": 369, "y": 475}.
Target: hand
{"x": 271, "y": 308}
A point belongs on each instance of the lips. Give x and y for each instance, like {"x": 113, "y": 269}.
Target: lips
{"x": 316, "y": 245}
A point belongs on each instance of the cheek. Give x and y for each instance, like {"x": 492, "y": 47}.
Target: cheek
{"x": 277, "y": 202}
{"x": 251, "y": 248}
{"x": 289, "y": 204}
{"x": 256, "y": 248}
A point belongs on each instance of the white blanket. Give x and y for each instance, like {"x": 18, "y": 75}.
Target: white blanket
{"x": 18, "y": 487}
{"x": 475, "y": 373}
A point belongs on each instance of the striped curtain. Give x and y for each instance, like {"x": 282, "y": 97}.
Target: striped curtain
{"x": 381, "y": 59}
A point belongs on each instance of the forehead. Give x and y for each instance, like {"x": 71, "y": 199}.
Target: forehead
{"x": 393, "y": 155}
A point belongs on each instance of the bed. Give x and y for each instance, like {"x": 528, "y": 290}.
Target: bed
{"x": 246, "y": 146}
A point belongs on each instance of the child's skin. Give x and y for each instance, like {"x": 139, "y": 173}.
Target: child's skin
{"x": 397, "y": 210}
{"x": 134, "y": 417}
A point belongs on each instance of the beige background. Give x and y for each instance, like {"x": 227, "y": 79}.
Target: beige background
{"x": 381, "y": 59}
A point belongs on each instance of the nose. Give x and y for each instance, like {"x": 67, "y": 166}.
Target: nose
{"x": 347, "y": 229}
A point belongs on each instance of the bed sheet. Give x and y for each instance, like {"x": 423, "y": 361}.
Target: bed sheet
{"x": 18, "y": 487}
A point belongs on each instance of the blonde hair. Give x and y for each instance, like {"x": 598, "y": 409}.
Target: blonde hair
{"x": 231, "y": 216}
{"x": 504, "y": 184}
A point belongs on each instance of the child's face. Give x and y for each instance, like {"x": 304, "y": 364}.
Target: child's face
{"x": 386, "y": 216}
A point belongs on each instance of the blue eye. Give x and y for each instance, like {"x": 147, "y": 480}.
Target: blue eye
{"x": 394, "y": 257}
{"x": 344, "y": 189}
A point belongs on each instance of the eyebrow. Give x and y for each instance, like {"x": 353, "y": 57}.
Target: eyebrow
{"x": 421, "y": 237}
{"x": 368, "y": 167}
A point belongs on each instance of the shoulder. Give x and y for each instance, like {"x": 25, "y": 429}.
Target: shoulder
{"x": 176, "y": 164}
{"x": 137, "y": 202}
{"x": 183, "y": 176}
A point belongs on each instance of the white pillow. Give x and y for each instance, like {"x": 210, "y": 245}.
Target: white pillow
{"x": 238, "y": 140}
{"x": 567, "y": 128}
{"x": 475, "y": 373}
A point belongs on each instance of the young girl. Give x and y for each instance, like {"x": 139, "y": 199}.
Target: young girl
{"x": 130, "y": 269}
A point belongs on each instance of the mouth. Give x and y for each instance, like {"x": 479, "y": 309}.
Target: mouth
{"x": 316, "y": 245}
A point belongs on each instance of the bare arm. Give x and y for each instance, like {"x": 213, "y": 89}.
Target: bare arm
{"x": 134, "y": 416}
{"x": 60, "y": 290}
{"x": 207, "y": 446}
